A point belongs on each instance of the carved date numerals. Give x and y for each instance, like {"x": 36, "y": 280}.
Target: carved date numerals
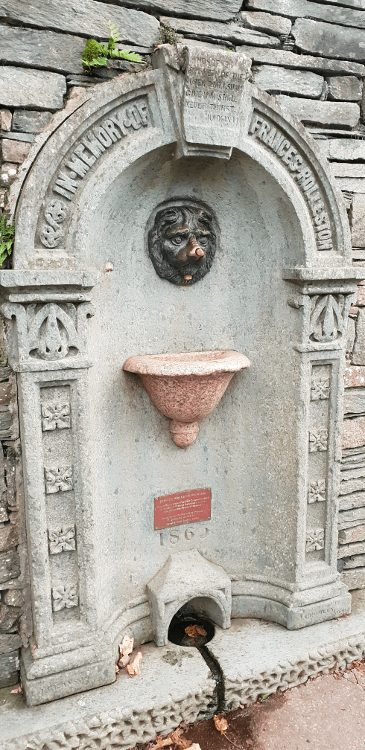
{"x": 174, "y": 536}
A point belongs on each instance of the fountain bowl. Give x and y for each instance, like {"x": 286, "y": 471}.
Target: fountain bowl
{"x": 186, "y": 387}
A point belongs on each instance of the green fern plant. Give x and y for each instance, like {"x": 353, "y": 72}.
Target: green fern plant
{"x": 95, "y": 54}
{"x": 6, "y": 239}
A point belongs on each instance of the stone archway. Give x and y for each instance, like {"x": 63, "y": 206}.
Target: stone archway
{"x": 95, "y": 452}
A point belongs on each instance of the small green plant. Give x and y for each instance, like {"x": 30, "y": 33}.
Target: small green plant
{"x": 167, "y": 34}
{"x": 95, "y": 54}
{"x": 6, "y": 239}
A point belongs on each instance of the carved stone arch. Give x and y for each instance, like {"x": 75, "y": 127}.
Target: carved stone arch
{"x": 279, "y": 289}
{"x": 55, "y": 196}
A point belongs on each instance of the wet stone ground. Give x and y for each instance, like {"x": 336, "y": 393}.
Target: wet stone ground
{"x": 326, "y": 713}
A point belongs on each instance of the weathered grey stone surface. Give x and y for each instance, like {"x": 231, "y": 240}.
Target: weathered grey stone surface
{"x": 354, "y": 579}
{"x": 230, "y": 32}
{"x": 357, "y": 561}
{"x": 5, "y": 119}
{"x": 343, "y": 149}
{"x": 207, "y": 9}
{"x": 354, "y": 500}
{"x": 9, "y": 642}
{"x": 265, "y": 22}
{"x": 354, "y": 400}
{"x": 9, "y": 536}
{"x": 345, "y": 169}
{"x": 14, "y": 151}
{"x": 345, "y": 88}
{"x": 12, "y": 136}
{"x": 29, "y": 121}
{"x": 175, "y": 685}
{"x": 316, "y": 649}
{"x": 307, "y": 9}
{"x": 329, "y": 40}
{"x": 256, "y": 657}
{"x": 323, "y": 113}
{"x": 22, "y": 87}
{"x": 276, "y": 80}
{"x": 352, "y": 515}
{"x": 352, "y": 184}
{"x": 304, "y": 62}
{"x": 9, "y": 669}
{"x": 350, "y": 3}
{"x": 9, "y": 565}
{"x": 358, "y": 220}
{"x": 87, "y": 18}
{"x": 358, "y": 355}
{"x": 8, "y": 174}
{"x": 347, "y": 550}
{"x": 41, "y": 49}
{"x": 356, "y": 534}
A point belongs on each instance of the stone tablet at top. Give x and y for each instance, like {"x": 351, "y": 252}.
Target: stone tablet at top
{"x": 212, "y": 95}
{"x": 213, "y": 91}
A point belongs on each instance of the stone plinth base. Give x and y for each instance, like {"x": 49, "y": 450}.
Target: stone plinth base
{"x": 256, "y": 657}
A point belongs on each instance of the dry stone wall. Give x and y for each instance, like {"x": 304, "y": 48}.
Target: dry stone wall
{"x": 311, "y": 56}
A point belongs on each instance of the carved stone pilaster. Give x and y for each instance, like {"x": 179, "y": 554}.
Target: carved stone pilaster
{"x": 322, "y": 297}
{"x": 47, "y": 316}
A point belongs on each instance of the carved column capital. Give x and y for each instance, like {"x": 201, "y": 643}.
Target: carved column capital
{"x": 47, "y": 313}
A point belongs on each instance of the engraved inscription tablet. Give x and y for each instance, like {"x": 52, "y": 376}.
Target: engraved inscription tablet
{"x": 190, "y": 506}
{"x": 212, "y": 95}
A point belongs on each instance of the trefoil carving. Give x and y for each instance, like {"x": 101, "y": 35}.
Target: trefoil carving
{"x": 64, "y": 597}
{"x": 320, "y": 388}
{"x": 56, "y": 416}
{"x": 52, "y": 331}
{"x": 318, "y": 441}
{"x": 314, "y": 540}
{"x": 327, "y": 321}
{"x": 317, "y": 491}
{"x": 61, "y": 539}
{"x": 59, "y": 479}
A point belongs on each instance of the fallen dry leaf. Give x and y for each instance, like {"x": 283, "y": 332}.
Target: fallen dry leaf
{"x": 175, "y": 738}
{"x": 221, "y": 725}
{"x": 33, "y": 649}
{"x": 194, "y": 630}
{"x": 18, "y": 689}
{"x": 162, "y": 743}
{"x": 179, "y": 740}
{"x": 124, "y": 661}
{"x": 133, "y": 668}
{"x": 126, "y": 647}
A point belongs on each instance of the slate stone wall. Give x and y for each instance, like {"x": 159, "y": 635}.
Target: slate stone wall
{"x": 311, "y": 55}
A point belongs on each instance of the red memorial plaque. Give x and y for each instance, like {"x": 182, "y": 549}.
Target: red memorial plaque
{"x": 182, "y": 507}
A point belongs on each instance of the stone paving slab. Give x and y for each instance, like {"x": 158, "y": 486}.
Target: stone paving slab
{"x": 175, "y": 684}
{"x": 256, "y": 657}
{"x": 259, "y": 657}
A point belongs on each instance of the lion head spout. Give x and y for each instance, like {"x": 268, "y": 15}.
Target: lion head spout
{"x": 182, "y": 240}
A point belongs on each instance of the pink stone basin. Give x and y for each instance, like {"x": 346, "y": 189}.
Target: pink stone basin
{"x": 186, "y": 387}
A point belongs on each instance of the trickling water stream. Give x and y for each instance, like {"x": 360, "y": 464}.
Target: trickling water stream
{"x": 186, "y": 617}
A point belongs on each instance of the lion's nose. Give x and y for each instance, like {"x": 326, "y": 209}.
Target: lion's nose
{"x": 194, "y": 249}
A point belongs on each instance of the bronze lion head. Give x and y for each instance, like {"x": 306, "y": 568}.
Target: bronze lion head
{"x": 182, "y": 240}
